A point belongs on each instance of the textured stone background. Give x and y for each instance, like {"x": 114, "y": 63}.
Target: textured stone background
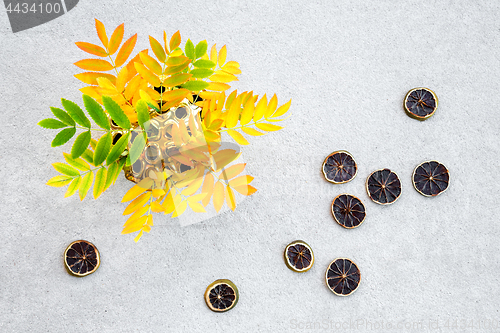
{"x": 425, "y": 263}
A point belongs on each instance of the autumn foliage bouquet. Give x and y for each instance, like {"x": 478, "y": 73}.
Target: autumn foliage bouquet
{"x": 159, "y": 117}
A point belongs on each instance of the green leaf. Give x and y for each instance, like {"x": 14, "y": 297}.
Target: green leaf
{"x": 96, "y": 112}
{"x": 76, "y": 113}
{"x": 100, "y": 181}
{"x": 63, "y": 116}
{"x": 77, "y": 163}
{"x": 59, "y": 181}
{"x": 201, "y": 49}
{"x": 136, "y": 149}
{"x": 73, "y": 187}
{"x": 81, "y": 143}
{"x": 116, "y": 112}
{"x": 102, "y": 148}
{"x": 112, "y": 174}
{"x": 153, "y": 107}
{"x": 88, "y": 156}
{"x": 203, "y": 63}
{"x": 201, "y": 73}
{"x": 142, "y": 114}
{"x": 65, "y": 169}
{"x": 85, "y": 185}
{"x": 195, "y": 85}
{"x": 189, "y": 49}
{"x": 63, "y": 136}
{"x": 51, "y": 123}
{"x": 93, "y": 143}
{"x": 117, "y": 149}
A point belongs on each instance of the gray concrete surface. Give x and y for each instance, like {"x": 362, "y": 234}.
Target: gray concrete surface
{"x": 428, "y": 265}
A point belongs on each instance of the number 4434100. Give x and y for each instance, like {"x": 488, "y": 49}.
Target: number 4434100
{"x": 25, "y": 8}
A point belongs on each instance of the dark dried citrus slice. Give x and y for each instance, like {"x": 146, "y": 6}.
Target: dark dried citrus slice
{"x": 81, "y": 258}
{"x": 343, "y": 277}
{"x": 348, "y": 211}
{"x": 339, "y": 167}
{"x": 222, "y": 295}
{"x": 431, "y": 178}
{"x": 383, "y": 186}
{"x": 299, "y": 256}
{"x": 420, "y": 103}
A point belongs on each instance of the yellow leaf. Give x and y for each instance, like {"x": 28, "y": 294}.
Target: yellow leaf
{"x": 232, "y": 171}
{"x": 282, "y": 109}
{"x": 223, "y": 77}
{"x": 86, "y": 184}
{"x": 231, "y": 202}
{"x": 245, "y": 189}
{"x": 268, "y": 127}
{"x": 138, "y": 189}
{"x": 175, "y": 94}
{"x": 157, "y": 192}
{"x": 261, "y": 108}
{"x": 147, "y": 228}
{"x": 156, "y": 207}
{"x": 106, "y": 84}
{"x": 92, "y": 49}
{"x": 122, "y": 79}
{"x": 193, "y": 187}
{"x": 248, "y": 111}
{"x": 222, "y": 56}
{"x": 179, "y": 209}
{"x": 233, "y": 114}
{"x": 73, "y": 187}
{"x": 213, "y": 54}
{"x": 251, "y": 131}
{"x": 224, "y": 157}
{"x": 218, "y": 196}
{"x": 230, "y": 99}
{"x": 149, "y": 222}
{"x": 241, "y": 180}
{"x": 175, "y": 41}
{"x": 165, "y": 41}
{"x": 147, "y": 74}
{"x": 218, "y": 86}
{"x": 197, "y": 197}
{"x": 157, "y": 49}
{"x": 101, "y": 32}
{"x": 233, "y": 64}
{"x": 94, "y": 65}
{"x": 135, "y": 226}
{"x": 100, "y": 182}
{"x": 208, "y": 188}
{"x": 176, "y": 80}
{"x": 125, "y": 51}
{"x": 137, "y": 215}
{"x": 168, "y": 204}
{"x": 116, "y": 39}
{"x": 271, "y": 108}
{"x": 91, "y": 77}
{"x": 138, "y": 202}
{"x": 231, "y": 69}
{"x": 237, "y": 137}
{"x": 197, "y": 207}
{"x": 150, "y": 63}
{"x": 139, "y": 235}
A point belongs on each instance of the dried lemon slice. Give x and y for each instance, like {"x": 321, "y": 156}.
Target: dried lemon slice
{"x": 348, "y": 211}
{"x": 221, "y": 295}
{"x": 420, "y": 103}
{"x": 431, "y": 178}
{"x": 339, "y": 167}
{"x": 342, "y": 277}
{"x": 383, "y": 186}
{"x": 81, "y": 258}
{"x": 299, "y": 256}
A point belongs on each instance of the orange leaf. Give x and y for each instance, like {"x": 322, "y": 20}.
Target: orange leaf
{"x": 157, "y": 49}
{"x": 177, "y": 69}
{"x": 125, "y": 51}
{"x": 94, "y": 65}
{"x": 130, "y": 66}
{"x": 147, "y": 74}
{"x": 116, "y": 39}
{"x": 122, "y": 79}
{"x": 92, "y": 49}
{"x": 222, "y": 56}
{"x": 218, "y": 86}
{"x": 223, "y": 77}
{"x": 245, "y": 189}
{"x": 218, "y": 196}
{"x": 175, "y": 94}
{"x": 92, "y": 92}
{"x": 175, "y": 41}
{"x": 240, "y": 181}
{"x": 233, "y": 171}
{"x": 165, "y": 41}
{"x": 150, "y": 63}
{"x": 172, "y": 103}
{"x": 208, "y": 188}
{"x": 231, "y": 202}
{"x": 91, "y": 77}
{"x": 176, "y": 80}
{"x": 101, "y": 32}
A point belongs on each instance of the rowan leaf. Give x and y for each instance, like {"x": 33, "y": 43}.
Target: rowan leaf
{"x": 261, "y": 108}
{"x": 213, "y": 53}
{"x": 223, "y": 77}
{"x": 251, "y": 131}
{"x": 224, "y": 157}
{"x": 100, "y": 182}
{"x": 102, "y": 149}
{"x": 245, "y": 189}
{"x": 147, "y": 74}
{"x": 138, "y": 237}
{"x": 137, "y": 203}
{"x": 238, "y": 137}
{"x": 77, "y": 163}
{"x": 204, "y": 63}
{"x": 135, "y": 225}
{"x": 156, "y": 207}
{"x": 268, "y": 127}
{"x": 73, "y": 187}
{"x": 113, "y": 173}
{"x": 63, "y": 116}
{"x": 96, "y": 112}
{"x": 150, "y": 63}
{"x": 117, "y": 149}
{"x": 231, "y": 201}
{"x": 176, "y": 80}
{"x": 157, "y": 49}
{"x": 195, "y": 85}
{"x": 65, "y": 169}
{"x": 101, "y": 32}
{"x": 91, "y": 77}
{"x": 88, "y": 156}
{"x": 201, "y": 49}
{"x": 282, "y": 109}
{"x": 116, "y": 112}
{"x": 218, "y": 86}
{"x": 179, "y": 209}
{"x": 76, "y": 113}
{"x": 63, "y": 136}
{"x": 201, "y": 73}
{"x": 222, "y": 56}
{"x": 208, "y": 188}
{"x": 233, "y": 171}
{"x": 218, "y": 196}
{"x": 233, "y": 114}
{"x": 116, "y": 39}
{"x": 175, "y": 94}
{"x": 125, "y": 51}
{"x": 138, "y": 189}
{"x": 94, "y": 65}
{"x": 86, "y": 184}
{"x": 50, "y": 123}
{"x": 92, "y": 49}
{"x": 136, "y": 149}
{"x": 142, "y": 114}
{"x": 175, "y": 41}
{"x": 59, "y": 181}
{"x": 193, "y": 187}
{"x": 197, "y": 207}
{"x": 80, "y": 145}
{"x": 241, "y": 180}
{"x": 189, "y": 49}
